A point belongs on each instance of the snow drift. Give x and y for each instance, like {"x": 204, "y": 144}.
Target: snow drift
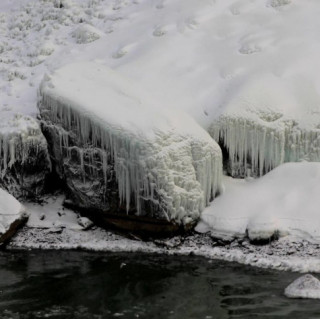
{"x": 110, "y": 141}
{"x": 284, "y": 201}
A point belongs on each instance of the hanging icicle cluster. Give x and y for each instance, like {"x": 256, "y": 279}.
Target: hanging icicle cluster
{"x": 255, "y": 148}
{"x": 22, "y": 145}
{"x": 178, "y": 174}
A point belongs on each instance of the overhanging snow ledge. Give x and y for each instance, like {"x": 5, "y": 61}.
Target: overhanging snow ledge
{"x": 118, "y": 151}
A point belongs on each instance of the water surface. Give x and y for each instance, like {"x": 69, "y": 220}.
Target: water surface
{"x": 70, "y": 284}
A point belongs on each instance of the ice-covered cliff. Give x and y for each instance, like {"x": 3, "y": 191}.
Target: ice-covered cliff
{"x": 110, "y": 142}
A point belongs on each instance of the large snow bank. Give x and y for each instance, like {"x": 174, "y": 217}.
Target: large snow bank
{"x": 285, "y": 201}
{"x": 158, "y": 155}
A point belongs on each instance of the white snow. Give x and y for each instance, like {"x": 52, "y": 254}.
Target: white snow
{"x": 285, "y": 201}
{"x": 10, "y": 211}
{"x": 306, "y": 286}
{"x": 246, "y": 70}
{"x": 153, "y": 148}
{"x": 51, "y": 215}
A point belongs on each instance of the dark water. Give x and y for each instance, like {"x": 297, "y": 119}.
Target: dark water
{"x": 101, "y": 285}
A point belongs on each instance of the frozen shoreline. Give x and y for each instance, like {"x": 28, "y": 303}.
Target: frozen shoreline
{"x": 54, "y": 227}
{"x": 286, "y": 254}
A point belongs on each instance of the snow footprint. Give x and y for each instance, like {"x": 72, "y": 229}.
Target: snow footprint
{"x": 160, "y": 31}
{"x": 278, "y": 3}
{"x": 255, "y": 43}
{"x": 160, "y": 4}
{"x": 192, "y": 23}
{"x": 123, "y": 51}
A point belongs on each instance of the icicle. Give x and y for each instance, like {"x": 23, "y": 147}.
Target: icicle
{"x": 178, "y": 175}
{"x": 266, "y": 146}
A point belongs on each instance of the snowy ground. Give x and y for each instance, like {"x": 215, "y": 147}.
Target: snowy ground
{"x": 51, "y": 226}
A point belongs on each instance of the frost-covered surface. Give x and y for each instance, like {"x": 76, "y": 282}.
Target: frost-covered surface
{"x": 251, "y": 62}
{"x": 10, "y": 211}
{"x": 285, "y": 201}
{"x": 158, "y": 155}
{"x": 306, "y": 286}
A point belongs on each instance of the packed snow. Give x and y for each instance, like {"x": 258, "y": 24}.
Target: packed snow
{"x": 154, "y": 149}
{"x": 284, "y": 201}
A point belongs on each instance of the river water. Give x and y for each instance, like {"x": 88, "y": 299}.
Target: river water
{"x": 71, "y": 284}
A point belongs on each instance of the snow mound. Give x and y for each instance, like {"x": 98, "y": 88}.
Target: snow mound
{"x": 11, "y": 211}
{"x": 158, "y": 155}
{"x": 284, "y": 201}
{"x": 306, "y": 286}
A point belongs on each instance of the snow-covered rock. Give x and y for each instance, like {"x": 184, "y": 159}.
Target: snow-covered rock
{"x": 12, "y": 216}
{"x": 306, "y": 286}
{"x": 284, "y": 201}
{"x": 265, "y": 124}
{"x": 24, "y": 158}
{"x": 85, "y": 223}
{"x": 117, "y": 150}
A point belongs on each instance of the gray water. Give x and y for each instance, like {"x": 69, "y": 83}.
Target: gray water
{"x": 70, "y": 284}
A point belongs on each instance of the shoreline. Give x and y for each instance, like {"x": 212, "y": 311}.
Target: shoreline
{"x": 285, "y": 254}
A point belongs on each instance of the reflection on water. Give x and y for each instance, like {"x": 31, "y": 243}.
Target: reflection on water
{"x": 60, "y": 285}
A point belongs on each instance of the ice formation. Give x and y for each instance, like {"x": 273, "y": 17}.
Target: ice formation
{"x": 255, "y": 148}
{"x": 264, "y": 125}
{"x": 24, "y": 159}
{"x": 158, "y": 156}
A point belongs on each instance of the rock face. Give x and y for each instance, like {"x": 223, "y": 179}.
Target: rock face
{"x": 118, "y": 155}
{"x": 306, "y": 286}
{"x": 12, "y": 216}
{"x": 24, "y": 158}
